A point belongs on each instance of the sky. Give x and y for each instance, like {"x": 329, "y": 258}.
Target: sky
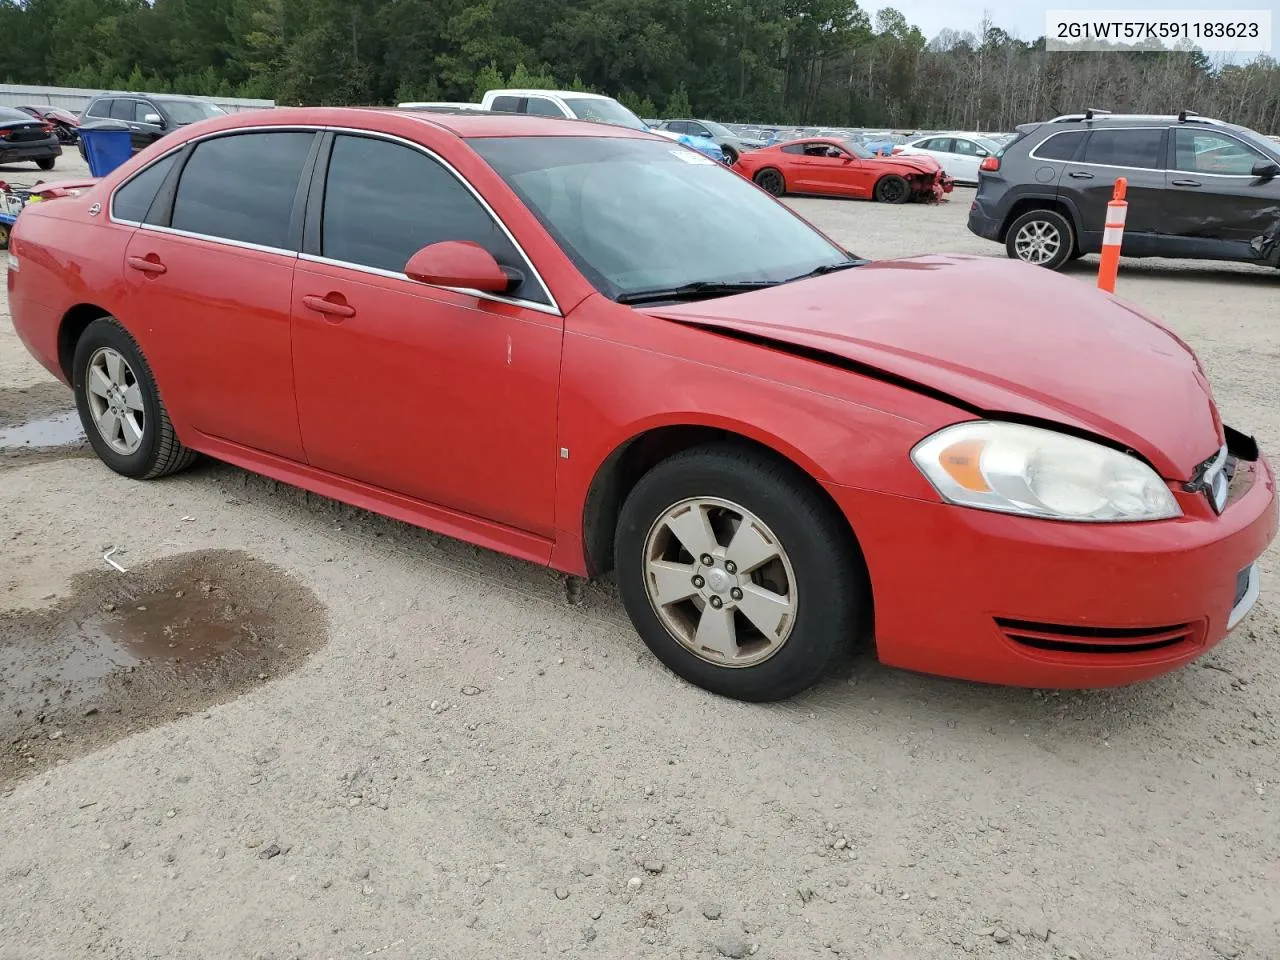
{"x": 1025, "y": 18}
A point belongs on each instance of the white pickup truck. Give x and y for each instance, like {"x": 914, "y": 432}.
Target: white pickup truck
{"x": 563, "y": 103}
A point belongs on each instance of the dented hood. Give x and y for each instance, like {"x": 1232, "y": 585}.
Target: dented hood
{"x": 998, "y": 337}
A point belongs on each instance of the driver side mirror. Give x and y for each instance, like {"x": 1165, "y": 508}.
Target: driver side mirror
{"x": 154, "y": 119}
{"x": 455, "y": 263}
{"x": 1266, "y": 170}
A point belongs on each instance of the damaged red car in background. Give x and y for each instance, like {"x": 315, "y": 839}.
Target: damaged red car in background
{"x": 827, "y": 167}
{"x": 544, "y": 337}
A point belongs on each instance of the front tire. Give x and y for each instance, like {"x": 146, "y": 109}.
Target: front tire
{"x": 1042, "y": 238}
{"x": 892, "y": 189}
{"x": 737, "y": 574}
{"x": 770, "y": 181}
{"x": 120, "y": 407}
{"x": 47, "y": 163}
{"x": 730, "y": 155}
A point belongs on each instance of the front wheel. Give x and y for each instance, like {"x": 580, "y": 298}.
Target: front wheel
{"x": 1043, "y": 238}
{"x": 737, "y": 574}
{"x": 120, "y": 407}
{"x": 770, "y": 181}
{"x": 730, "y": 155}
{"x": 47, "y": 163}
{"x": 892, "y": 189}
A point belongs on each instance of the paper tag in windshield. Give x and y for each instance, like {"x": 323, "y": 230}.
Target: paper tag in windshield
{"x": 689, "y": 155}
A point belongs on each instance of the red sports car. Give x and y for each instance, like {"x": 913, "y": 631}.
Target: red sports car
{"x": 824, "y": 166}
{"x": 546, "y": 337}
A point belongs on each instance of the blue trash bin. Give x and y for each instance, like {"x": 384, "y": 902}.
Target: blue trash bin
{"x": 107, "y": 144}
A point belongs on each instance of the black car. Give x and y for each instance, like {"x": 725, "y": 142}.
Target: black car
{"x": 149, "y": 117}
{"x": 23, "y": 137}
{"x": 1197, "y": 188}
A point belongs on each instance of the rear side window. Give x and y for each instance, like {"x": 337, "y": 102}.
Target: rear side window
{"x": 1061, "y": 146}
{"x": 1126, "y": 148}
{"x": 383, "y": 202}
{"x": 542, "y": 107}
{"x": 940, "y": 144}
{"x": 242, "y": 187}
{"x": 133, "y": 200}
{"x": 794, "y": 148}
{"x": 506, "y": 104}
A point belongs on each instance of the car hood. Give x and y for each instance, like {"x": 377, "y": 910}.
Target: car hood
{"x": 1000, "y": 338}
{"x": 910, "y": 162}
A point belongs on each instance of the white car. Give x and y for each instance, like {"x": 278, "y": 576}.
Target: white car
{"x": 563, "y": 103}
{"x": 960, "y": 154}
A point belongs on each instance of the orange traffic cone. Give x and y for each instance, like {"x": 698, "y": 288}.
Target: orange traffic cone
{"x": 1113, "y": 237}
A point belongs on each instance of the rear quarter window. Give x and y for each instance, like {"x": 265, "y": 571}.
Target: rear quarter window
{"x": 132, "y": 201}
{"x": 1060, "y": 146}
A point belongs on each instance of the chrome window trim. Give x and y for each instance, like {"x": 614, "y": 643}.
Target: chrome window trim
{"x": 552, "y": 309}
{"x": 1241, "y": 609}
{"x": 466, "y": 291}
{"x": 1031, "y": 154}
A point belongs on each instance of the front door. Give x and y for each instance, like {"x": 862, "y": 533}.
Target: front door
{"x": 443, "y": 395}
{"x": 827, "y": 170}
{"x": 1138, "y": 155}
{"x": 1217, "y": 207}
{"x": 211, "y": 288}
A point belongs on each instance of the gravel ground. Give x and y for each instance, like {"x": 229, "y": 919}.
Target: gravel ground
{"x": 475, "y": 765}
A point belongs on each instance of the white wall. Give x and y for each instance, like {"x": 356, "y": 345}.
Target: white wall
{"x": 75, "y": 99}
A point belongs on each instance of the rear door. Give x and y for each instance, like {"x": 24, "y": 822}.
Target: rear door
{"x": 209, "y": 277}
{"x": 1138, "y": 155}
{"x": 1216, "y": 206}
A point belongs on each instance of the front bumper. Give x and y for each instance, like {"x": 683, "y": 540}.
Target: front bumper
{"x": 1000, "y": 599}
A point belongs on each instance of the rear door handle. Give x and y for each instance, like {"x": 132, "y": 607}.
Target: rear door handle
{"x": 336, "y": 307}
{"x": 1186, "y": 183}
{"x": 147, "y": 265}
{"x": 1080, "y": 175}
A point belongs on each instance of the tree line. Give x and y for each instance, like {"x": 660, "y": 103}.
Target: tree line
{"x": 825, "y": 62}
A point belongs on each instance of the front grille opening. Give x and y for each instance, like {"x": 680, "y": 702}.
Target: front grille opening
{"x": 1062, "y": 638}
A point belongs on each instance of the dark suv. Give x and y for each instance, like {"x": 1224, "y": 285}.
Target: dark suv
{"x": 1197, "y": 188}
{"x": 149, "y": 117}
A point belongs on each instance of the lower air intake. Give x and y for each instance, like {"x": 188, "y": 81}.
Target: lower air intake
{"x": 1070, "y": 639}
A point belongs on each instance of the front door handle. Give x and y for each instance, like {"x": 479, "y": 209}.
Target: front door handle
{"x": 1186, "y": 183}
{"x": 1080, "y": 175}
{"x": 148, "y": 264}
{"x": 331, "y": 306}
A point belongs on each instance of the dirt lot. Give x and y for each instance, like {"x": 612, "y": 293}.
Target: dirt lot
{"x": 430, "y": 751}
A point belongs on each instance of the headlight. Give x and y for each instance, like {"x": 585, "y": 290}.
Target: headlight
{"x": 1011, "y": 468}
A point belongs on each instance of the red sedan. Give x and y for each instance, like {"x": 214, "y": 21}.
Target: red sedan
{"x": 546, "y": 337}
{"x": 827, "y": 167}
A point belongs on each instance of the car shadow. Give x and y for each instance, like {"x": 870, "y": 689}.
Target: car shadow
{"x": 1187, "y": 271}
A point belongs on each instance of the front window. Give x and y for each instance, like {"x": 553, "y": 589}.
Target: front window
{"x": 604, "y": 111}
{"x": 1202, "y": 151}
{"x": 639, "y": 215}
{"x": 190, "y": 111}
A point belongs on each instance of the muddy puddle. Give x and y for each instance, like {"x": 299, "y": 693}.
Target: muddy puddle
{"x": 39, "y": 422}
{"x": 127, "y": 651}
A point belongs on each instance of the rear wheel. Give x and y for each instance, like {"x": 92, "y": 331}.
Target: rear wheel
{"x": 47, "y": 163}
{"x": 730, "y": 155}
{"x": 737, "y": 574}
{"x": 120, "y": 407}
{"x": 1043, "y": 238}
{"x": 770, "y": 181}
{"x": 892, "y": 189}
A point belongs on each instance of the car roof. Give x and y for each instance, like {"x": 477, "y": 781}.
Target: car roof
{"x": 532, "y": 92}
{"x": 464, "y": 123}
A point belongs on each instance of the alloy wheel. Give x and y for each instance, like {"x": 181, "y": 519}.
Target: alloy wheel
{"x": 115, "y": 401}
{"x": 720, "y": 582}
{"x": 1037, "y": 242}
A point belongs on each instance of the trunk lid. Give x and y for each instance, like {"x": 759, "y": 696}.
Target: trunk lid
{"x": 999, "y": 336}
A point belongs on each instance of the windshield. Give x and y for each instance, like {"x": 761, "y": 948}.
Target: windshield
{"x": 1269, "y": 147}
{"x": 604, "y": 111}
{"x": 640, "y": 214}
{"x": 189, "y": 111}
{"x": 991, "y": 146}
{"x": 857, "y": 149}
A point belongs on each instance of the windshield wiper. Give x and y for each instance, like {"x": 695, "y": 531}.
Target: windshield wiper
{"x": 829, "y": 268}
{"x": 695, "y": 290}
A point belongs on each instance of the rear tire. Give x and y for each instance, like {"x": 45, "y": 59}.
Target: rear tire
{"x": 730, "y": 155}
{"x": 120, "y": 406}
{"x": 797, "y": 573}
{"x": 47, "y": 163}
{"x": 892, "y": 189}
{"x": 770, "y": 181}
{"x": 1042, "y": 238}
